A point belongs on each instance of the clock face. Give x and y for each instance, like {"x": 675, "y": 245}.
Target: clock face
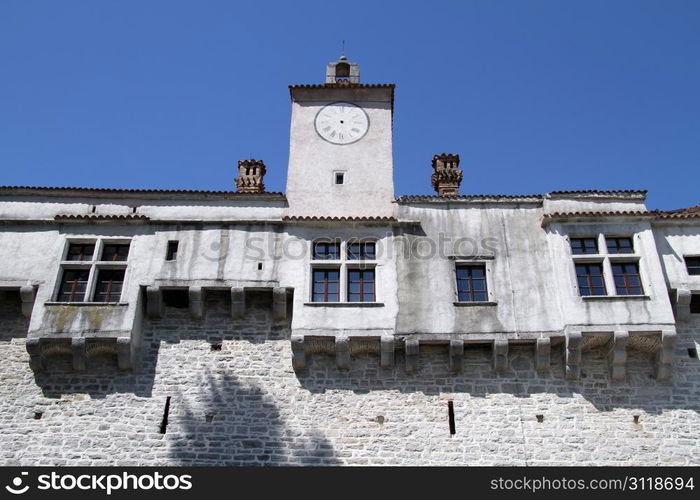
{"x": 342, "y": 123}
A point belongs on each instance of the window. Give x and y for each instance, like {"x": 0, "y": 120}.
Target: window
{"x": 80, "y": 251}
{"x": 695, "y": 304}
{"x": 619, "y": 245}
{"x": 115, "y": 252}
{"x": 614, "y": 271}
{"x": 339, "y": 178}
{"x": 627, "y": 280}
{"x": 590, "y": 279}
{"x": 693, "y": 265}
{"x": 327, "y": 250}
{"x": 348, "y": 276}
{"x": 171, "y": 252}
{"x": 73, "y": 285}
{"x": 361, "y": 251}
{"x": 581, "y": 246}
{"x": 471, "y": 283}
{"x": 361, "y": 285}
{"x": 85, "y": 277}
{"x": 326, "y": 285}
{"x": 109, "y": 285}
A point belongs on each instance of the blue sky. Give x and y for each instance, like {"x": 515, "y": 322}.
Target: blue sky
{"x": 534, "y": 95}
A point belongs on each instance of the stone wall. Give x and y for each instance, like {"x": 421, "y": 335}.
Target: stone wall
{"x": 243, "y": 404}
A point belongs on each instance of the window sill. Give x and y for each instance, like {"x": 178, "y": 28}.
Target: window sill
{"x": 475, "y": 304}
{"x": 344, "y": 304}
{"x": 615, "y": 297}
{"x": 81, "y": 304}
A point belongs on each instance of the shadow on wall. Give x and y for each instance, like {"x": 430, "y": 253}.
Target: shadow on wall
{"x": 229, "y": 421}
{"x": 640, "y": 390}
{"x": 218, "y": 412}
{"x": 103, "y": 377}
{"x": 13, "y": 325}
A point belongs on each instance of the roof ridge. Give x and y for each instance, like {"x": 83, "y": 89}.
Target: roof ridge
{"x": 139, "y": 190}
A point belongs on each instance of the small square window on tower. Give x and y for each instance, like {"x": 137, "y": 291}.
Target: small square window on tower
{"x": 339, "y": 178}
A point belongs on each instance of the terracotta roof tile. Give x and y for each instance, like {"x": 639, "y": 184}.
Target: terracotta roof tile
{"x": 638, "y": 213}
{"x": 68, "y": 217}
{"x": 315, "y": 218}
{"x": 471, "y": 197}
{"x": 655, "y": 214}
{"x": 88, "y": 190}
{"x": 602, "y": 192}
{"x": 343, "y": 84}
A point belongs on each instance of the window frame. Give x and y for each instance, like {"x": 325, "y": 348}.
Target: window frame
{"x": 344, "y": 265}
{"x": 487, "y": 263}
{"x": 325, "y": 241}
{"x": 589, "y": 262}
{"x": 609, "y": 237}
{"x": 624, "y": 261}
{"x": 472, "y": 264}
{"x": 607, "y": 260}
{"x": 362, "y": 268}
{"x": 688, "y": 266}
{"x": 328, "y": 267}
{"x": 93, "y": 267}
{"x": 61, "y": 280}
{"x": 596, "y": 239}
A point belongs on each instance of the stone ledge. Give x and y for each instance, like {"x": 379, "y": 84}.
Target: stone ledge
{"x": 344, "y": 304}
{"x": 80, "y": 304}
{"x": 475, "y": 304}
{"x": 615, "y": 297}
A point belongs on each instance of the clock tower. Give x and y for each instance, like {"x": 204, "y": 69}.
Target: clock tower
{"x": 340, "y": 148}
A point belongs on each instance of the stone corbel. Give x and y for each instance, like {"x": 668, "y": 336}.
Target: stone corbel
{"x": 237, "y": 303}
{"x": 500, "y": 356}
{"x": 279, "y": 303}
{"x": 386, "y": 351}
{"x": 617, "y": 355}
{"x": 125, "y": 353}
{"x": 154, "y": 302}
{"x": 456, "y": 354}
{"x": 412, "y": 348}
{"x": 573, "y": 355}
{"x": 27, "y": 294}
{"x": 196, "y": 296}
{"x": 298, "y": 353}
{"x": 36, "y": 362}
{"x": 78, "y": 347}
{"x": 665, "y": 354}
{"x": 683, "y": 297}
{"x": 342, "y": 352}
{"x": 543, "y": 349}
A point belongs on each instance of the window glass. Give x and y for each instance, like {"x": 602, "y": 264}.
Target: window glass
{"x": 109, "y": 285}
{"x": 73, "y": 285}
{"x": 471, "y": 283}
{"x": 626, "y": 276}
{"x": 80, "y": 251}
{"x": 590, "y": 279}
{"x": 326, "y": 285}
{"x": 361, "y": 285}
{"x": 580, "y": 246}
{"x": 326, "y": 250}
{"x": 619, "y": 245}
{"x": 115, "y": 252}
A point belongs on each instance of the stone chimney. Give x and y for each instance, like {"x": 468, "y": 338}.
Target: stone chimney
{"x": 447, "y": 176}
{"x": 250, "y": 176}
